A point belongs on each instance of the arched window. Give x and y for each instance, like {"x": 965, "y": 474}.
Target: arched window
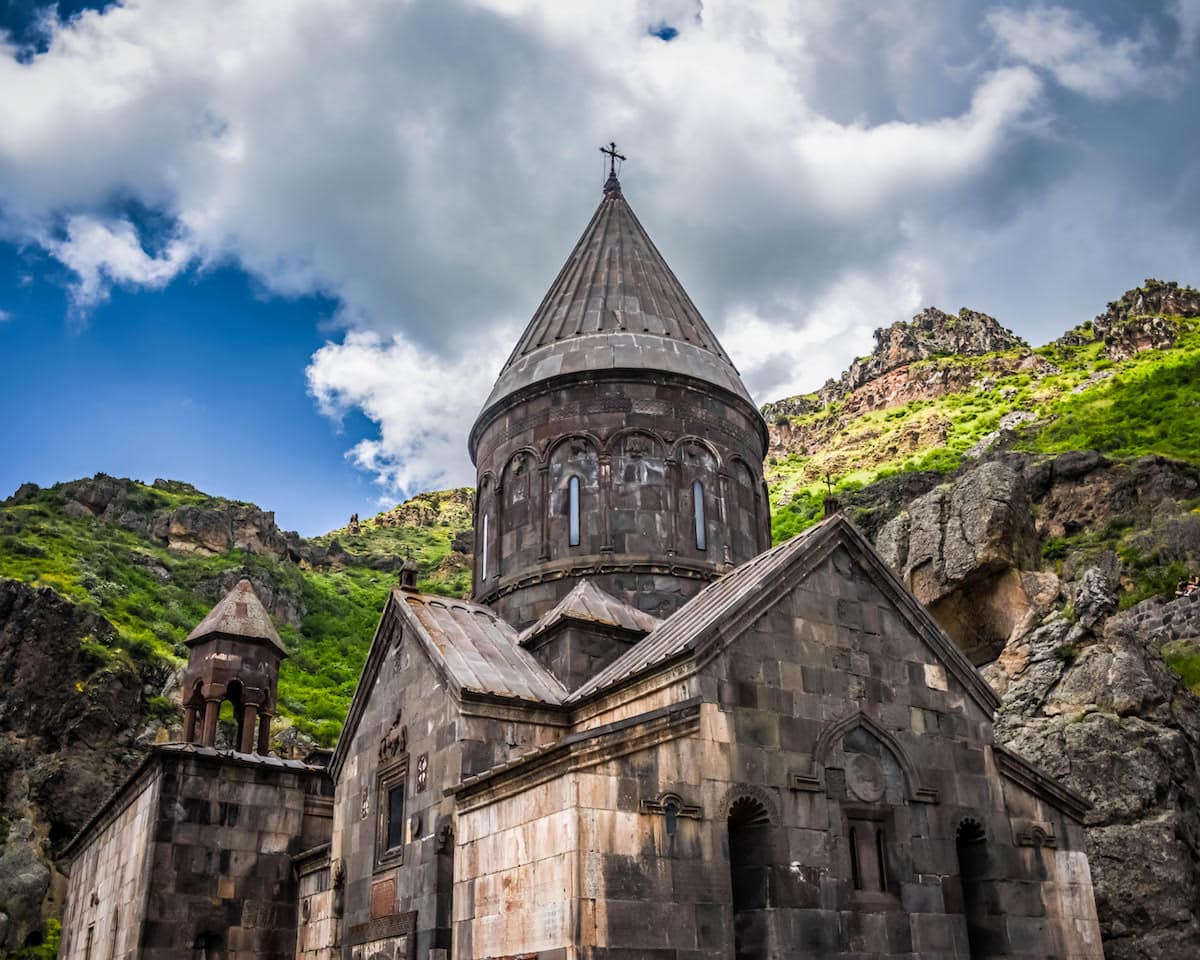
{"x": 698, "y": 515}
{"x": 484, "y": 558}
{"x": 573, "y": 512}
{"x": 971, "y": 848}
{"x": 749, "y": 872}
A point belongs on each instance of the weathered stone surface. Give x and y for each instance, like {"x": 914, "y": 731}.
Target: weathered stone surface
{"x": 24, "y": 884}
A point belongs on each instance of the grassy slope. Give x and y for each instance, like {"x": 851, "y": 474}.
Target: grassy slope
{"x": 113, "y": 571}
{"x": 1149, "y": 403}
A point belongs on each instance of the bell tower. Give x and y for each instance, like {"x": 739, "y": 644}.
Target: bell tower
{"x": 234, "y": 655}
{"x": 619, "y": 443}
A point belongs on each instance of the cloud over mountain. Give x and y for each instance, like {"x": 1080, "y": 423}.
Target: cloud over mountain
{"x": 810, "y": 170}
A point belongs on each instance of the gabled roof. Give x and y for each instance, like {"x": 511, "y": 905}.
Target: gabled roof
{"x": 239, "y": 614}
{"x": 469, "y": 646}
{"x": 478, "y": 650}
{"x": 616, "y": 305}
{"x": 589, "y": 604}
{"x": 750, "y": 588}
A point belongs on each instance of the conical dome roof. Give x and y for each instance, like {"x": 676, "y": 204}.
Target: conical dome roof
{"x": 616, "y": 305}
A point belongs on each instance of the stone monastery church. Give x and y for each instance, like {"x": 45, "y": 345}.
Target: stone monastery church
{"x": 649, "y": 735}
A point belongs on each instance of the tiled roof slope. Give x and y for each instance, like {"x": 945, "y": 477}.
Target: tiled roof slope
{"x": 680, "y": 630}
{"x": 718, "y": 603}
{"x": 589, "y": 603}
{"x": 616, "y": 305}
{"x": 239, "y": 614}
{"x": 479, "y": 650}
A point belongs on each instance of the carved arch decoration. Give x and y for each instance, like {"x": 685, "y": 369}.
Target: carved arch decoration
{"x": 518, "y": 509}
{"x": 970, "y": 828}
{"x": 741, "y": 792}
{"x": 814, "y": 778}
{"x": 691, "y": 439}
{"x": 613, "y": 445}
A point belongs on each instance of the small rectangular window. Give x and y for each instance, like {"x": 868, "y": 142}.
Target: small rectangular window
{"x": 390, "y": 833}
{"x": 573, "y": 512}
{"x": 395, "y": 817}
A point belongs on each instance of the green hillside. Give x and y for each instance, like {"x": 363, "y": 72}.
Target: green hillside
{"x": 1126, "y": 385}
{"x": 119, "y": 563}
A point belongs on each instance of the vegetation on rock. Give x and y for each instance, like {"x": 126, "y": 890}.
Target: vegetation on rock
{"x": 154, "y": 587}
{"x": 1124, "y": 384}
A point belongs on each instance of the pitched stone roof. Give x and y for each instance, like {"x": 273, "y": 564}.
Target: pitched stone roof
{"x": 707, "y": 613}
{"x": 478, "y": 650}
{"x": 239, "y": 614}
{"x": 680, "y": 630}
{"x": 588, "y": 603}
{"x": 616, "y": 305}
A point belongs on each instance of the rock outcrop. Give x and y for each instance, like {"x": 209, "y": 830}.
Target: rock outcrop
{"x": 73, "y": 706}
{"x": 1087, "y": 693}
{"x": 930, "y": 333}
{"x": 1139, "y": 320}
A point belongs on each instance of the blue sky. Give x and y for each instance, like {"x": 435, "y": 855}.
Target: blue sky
{"x": 279, "y": 250}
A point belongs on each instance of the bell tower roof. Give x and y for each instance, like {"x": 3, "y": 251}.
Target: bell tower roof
{"x": 240, "y": 615}
{"x": 615, "y": 305}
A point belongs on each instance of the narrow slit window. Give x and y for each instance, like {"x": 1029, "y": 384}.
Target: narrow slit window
{"x": 698, "y": 511}
{"x": 855, "y": 872}
{"x": 483, "y": 565}
{"x": 882, "y": 859}
{"x": 573, "y": 512}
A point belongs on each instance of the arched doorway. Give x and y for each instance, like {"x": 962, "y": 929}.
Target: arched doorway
{"x": 750, "y": 875}
{"x": 971, "y": 847}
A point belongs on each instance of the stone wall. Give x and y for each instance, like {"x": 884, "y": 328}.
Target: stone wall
{"x": 635, "y": 448}
{"x": 413, "y": 730}
{"x": 109, "y": 876}
{"x": 226, "y": 830}
{"x": 833, "y": 720}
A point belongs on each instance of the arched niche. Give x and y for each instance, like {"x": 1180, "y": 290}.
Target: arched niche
{"x": 698, "y": 521}
{"x": 745, "y": 526}
{"x": 517, "y": 524}
{"x": 639, "y": 503}
{"x": 487, "y": 534}
{"x": 574, "y": 488}
{"x": 748, "y": 827}
{"x": 974, "y": 870}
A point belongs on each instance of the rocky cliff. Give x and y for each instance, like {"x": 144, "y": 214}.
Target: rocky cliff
{"x": 1044, "y": 504}
{"x": 1026, "y": 561}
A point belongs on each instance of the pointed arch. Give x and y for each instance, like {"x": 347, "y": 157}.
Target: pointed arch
{"x": 833, "y": 734}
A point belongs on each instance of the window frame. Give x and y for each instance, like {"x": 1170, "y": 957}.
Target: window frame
{"x": 700, "y": 521}
{"x": 484, "y": 565}
{"x": 393, "y": 776}
{"x": 574, "y": 525}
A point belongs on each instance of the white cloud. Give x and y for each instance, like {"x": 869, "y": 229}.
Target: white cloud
{"x": 5, "y": 316}
{"x": 429, "y": 164}
{"x": 423, "y": 404}
{"x": 803, "y": 345}
{"x": 1072, "y": 49}
{"x": 104, "y": 253}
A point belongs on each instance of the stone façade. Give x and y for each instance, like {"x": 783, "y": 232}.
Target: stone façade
{"x": 649, "y": 736}
{"x": 807, "y": 687}
{"x": 194, "y": 853}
